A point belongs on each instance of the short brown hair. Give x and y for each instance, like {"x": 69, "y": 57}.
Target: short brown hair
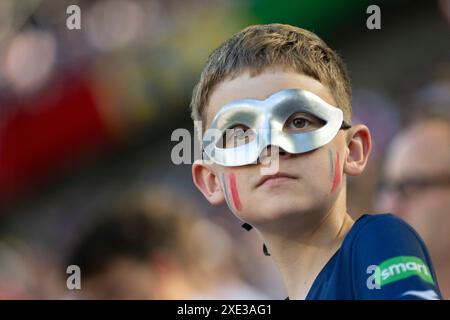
{"x": 259, "y": 47}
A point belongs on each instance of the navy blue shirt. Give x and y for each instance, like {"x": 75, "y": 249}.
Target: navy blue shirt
{"x": 381, "y": 257}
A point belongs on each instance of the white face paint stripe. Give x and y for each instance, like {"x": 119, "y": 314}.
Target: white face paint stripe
{"x": 224, "y": 184}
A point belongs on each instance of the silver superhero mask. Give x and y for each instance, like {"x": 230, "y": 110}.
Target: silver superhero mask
{"x": 265, "y": 125}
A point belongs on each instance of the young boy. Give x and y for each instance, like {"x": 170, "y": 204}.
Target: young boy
{"x": 280, "y": 91}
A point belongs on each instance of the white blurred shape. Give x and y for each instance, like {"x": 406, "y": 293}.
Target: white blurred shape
{"x": 113, "y": 23}
{"x": 29, "y": 60}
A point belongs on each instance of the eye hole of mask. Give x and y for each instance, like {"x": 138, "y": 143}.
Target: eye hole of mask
{"x": 236, "y": 136}
{"x": 302, "y": 122}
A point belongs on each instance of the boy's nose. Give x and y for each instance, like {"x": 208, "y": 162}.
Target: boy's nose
{"x": 272, "y": 152}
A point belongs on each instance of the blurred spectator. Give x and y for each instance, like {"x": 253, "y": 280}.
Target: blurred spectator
{"x": 25, "y": 273}
{"x": 416, "y": 182}
{"x": 157, "y": 248}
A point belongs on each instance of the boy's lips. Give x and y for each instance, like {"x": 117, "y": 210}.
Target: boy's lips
{"x": 275, "y": 177}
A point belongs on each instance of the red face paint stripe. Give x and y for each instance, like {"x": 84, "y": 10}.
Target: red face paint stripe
{"x": 337, "y": 174}
{"x": 234, "y": 192}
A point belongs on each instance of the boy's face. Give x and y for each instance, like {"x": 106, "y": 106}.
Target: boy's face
{"x": 309, "y": 181}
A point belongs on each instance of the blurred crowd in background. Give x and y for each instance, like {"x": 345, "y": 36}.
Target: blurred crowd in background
{"x": 86, "y": 116}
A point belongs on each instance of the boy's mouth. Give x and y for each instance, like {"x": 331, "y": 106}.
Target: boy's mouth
{"x": 277, "y": 178}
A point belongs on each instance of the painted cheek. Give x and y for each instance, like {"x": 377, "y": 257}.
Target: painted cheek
{"x": 336, "y": 173}
{"x": 234, "y": 191}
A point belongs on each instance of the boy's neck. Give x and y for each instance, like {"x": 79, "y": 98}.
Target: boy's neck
{"x": 301, "y": 255}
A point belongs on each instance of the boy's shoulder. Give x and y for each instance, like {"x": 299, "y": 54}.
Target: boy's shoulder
{"x": 380, "y": 242}
{"x": 380, "y": 227}
{"x": 377, "y": 238}
{"x": 379, "y": 219}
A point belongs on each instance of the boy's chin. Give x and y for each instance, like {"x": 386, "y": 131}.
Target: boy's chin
{"x": 280, "y": 211}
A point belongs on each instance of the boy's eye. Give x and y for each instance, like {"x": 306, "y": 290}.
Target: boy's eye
{"x": 300, "y": 123}
{"x": 303, "y": 122}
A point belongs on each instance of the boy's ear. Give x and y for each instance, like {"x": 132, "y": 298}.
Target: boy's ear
{"x": 359, "y": 145}
{"x": 207, "y": 182}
